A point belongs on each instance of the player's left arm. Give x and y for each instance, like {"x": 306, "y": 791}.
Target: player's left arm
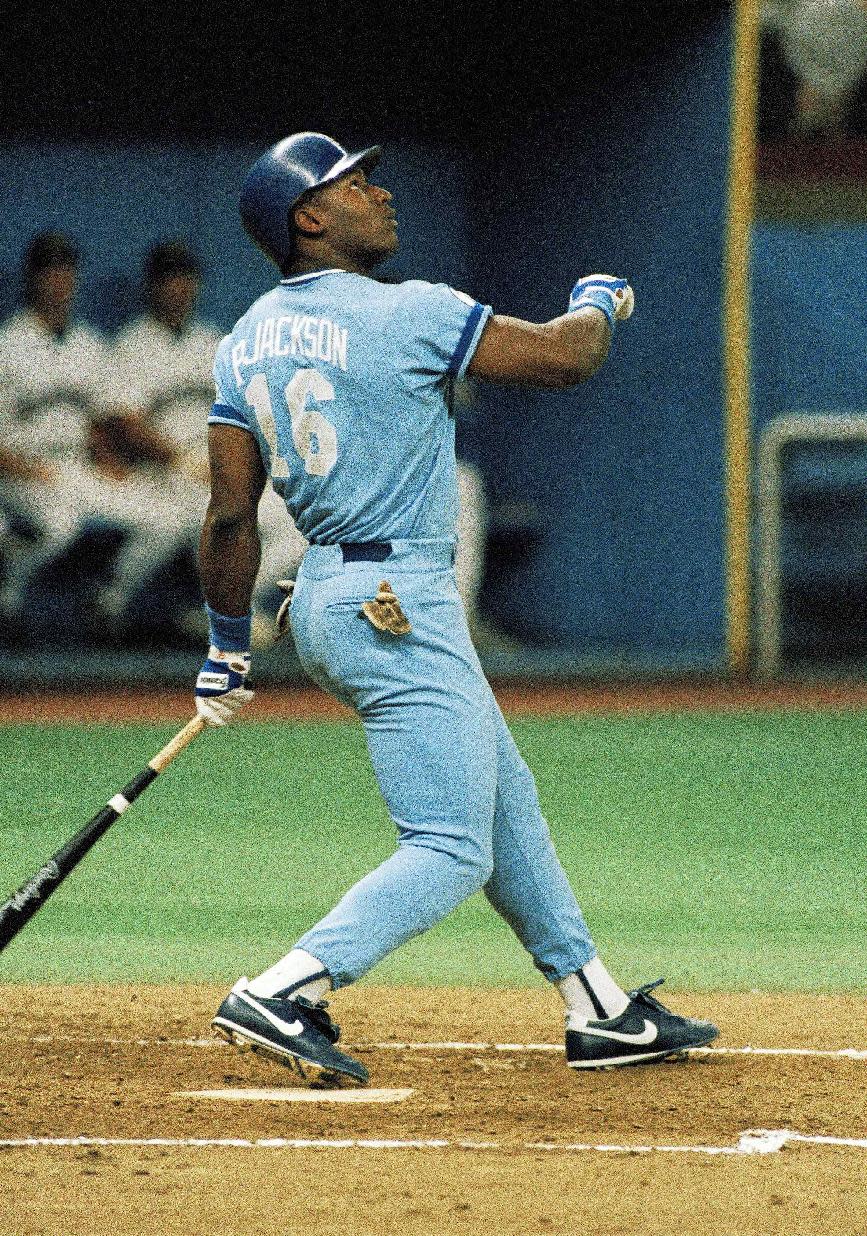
{"x": 560, "y": 353}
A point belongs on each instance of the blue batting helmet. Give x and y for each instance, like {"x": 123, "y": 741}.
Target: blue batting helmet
{"x": 282, "y": 175}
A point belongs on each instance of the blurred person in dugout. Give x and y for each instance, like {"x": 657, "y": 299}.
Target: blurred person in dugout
{"x": 58, "y": 474}
{"x": 821, "y": 45}
{"x": 164, "y": 365}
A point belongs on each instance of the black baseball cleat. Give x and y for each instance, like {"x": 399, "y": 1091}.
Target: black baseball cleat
{"x": 296, "y": 1032}
{"x": 644, "y": 1032}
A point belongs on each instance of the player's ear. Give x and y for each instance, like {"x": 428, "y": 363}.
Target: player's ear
{"x": 308, "y": 219}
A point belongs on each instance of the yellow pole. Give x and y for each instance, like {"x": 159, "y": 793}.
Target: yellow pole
{"x": 736, "y": 330}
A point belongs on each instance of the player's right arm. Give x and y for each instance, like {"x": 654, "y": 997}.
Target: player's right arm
{"x": 229, "y": 554}
{"x": 17, "y": 467}
{"x": 560, "y": 353}
{"x": 229, "y": 549}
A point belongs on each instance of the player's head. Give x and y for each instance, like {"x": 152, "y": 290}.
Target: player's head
{"x": 51, "y": 275}
{"x": 307, "y": 197}
{"x": 172, "y": 281}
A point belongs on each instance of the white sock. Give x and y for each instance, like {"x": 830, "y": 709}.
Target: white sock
{"x": 296, "y": 974}
{"x": 591, "y": 994}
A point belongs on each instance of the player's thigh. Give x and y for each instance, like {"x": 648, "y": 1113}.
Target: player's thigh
{"x": 51, "y": 510}
{"x": 435, "y": 766}
{"x": 423, "y": 702}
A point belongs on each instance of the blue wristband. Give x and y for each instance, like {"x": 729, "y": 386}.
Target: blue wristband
{"x": 229, "y": 634}
{"x": 595, "y": 298}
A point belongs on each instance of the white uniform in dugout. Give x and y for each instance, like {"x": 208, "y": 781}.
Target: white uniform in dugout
{"x": 167, "y": 375}
{"x": 52, "y": 387}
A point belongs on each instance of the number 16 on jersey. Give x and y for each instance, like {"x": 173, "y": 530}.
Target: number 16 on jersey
{"x": 313, "y": 435}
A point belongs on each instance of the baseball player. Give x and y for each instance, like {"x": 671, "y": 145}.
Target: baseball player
{"x": 336, "y": 387}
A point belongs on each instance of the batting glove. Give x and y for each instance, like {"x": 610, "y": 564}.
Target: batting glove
{"x": 613, "y": 296}
{"x": 281, "y": 622}
{"x": 220, "y": 689}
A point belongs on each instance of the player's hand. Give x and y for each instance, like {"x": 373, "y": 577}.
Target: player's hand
{"x": 220, "y": 689}
{"x": 613, "y": 296}
{"x": 44, "y": 473}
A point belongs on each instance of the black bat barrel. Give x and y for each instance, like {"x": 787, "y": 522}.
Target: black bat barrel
{"x": 33, "y": 893}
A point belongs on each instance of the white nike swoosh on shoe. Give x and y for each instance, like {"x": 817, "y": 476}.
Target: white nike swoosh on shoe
{"x": 291, "y": 1028}
{"x": 645, "y": 1036}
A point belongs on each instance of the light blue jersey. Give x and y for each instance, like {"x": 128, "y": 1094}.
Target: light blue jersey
{"x": 344, "y": 383}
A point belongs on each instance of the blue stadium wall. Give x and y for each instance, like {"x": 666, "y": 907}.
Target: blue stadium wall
{"x": 627, "y": 473}
{"x": 809, "y": 320}
{"x": 627, "y": 470}
{"x": 809, "y": 331}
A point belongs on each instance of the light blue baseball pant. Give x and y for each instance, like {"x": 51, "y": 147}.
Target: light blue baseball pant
{"x": 462, "y": 798}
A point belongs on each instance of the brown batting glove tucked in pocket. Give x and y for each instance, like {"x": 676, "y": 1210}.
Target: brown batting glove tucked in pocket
{"x": 384, "y": 612}
{"x": 281, "y": 622}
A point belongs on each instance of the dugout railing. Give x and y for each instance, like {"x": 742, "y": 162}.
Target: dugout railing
{"x": 811, "y": 544}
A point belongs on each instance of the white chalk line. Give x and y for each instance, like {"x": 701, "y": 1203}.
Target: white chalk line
{"x": 751, "y": 1142}
{"x": 846, "y": 1053}
{"x": 842, "y": 1053}
{"x": 311, "y": 1095}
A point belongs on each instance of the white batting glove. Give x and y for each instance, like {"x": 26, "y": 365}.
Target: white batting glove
{"x": 220, "y": 689}
{"x": 613, "y": 296}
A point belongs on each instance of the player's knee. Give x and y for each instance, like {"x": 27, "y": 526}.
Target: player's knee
{"x": 517, "y": 783}
{"x": 471, "y": 860}
{"x": 484, "y": 874}
{"x": 477, "y": 861}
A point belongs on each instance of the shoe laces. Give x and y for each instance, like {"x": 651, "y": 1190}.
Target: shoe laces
{"x": 319, "y": 1017}
{"x": 643, "y": 995}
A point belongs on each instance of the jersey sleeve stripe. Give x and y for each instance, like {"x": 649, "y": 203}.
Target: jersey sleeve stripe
{"x": 469, "y": 339}
{"x": 225, "y": 414}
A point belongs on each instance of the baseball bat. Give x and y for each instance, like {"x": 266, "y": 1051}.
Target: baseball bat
{"x": 33, "y": 893}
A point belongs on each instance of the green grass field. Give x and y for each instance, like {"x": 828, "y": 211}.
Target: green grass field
{"x": 722, "y": 851}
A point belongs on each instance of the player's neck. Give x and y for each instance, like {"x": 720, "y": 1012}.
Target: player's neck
{"x": 55, "y": 319}
{"x": 327, "y": 258}
{"x": 175, "y": 323}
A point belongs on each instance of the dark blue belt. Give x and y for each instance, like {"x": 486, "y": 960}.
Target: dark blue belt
{"x": 366, "y": 551}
